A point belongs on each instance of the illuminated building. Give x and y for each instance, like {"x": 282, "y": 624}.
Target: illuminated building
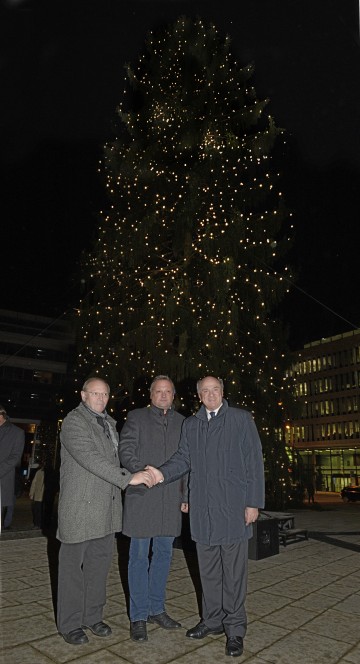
{"x": 326, "y": 435}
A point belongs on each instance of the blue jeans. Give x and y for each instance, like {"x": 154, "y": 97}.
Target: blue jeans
{"x": 147, "y": 580}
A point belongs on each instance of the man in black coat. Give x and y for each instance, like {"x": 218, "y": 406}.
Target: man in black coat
{"x": 12, "y": 440}
{"x": 151, "y": 518}
{"x": 221, "y": 449}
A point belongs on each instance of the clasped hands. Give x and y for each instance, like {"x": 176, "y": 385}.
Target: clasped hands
{"x": 149, "y": 476}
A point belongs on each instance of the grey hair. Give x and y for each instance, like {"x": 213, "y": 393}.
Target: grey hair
{"x": 161, "y": 377}
{"x": 199, "y": 383}
{"x": 91, "y": 380}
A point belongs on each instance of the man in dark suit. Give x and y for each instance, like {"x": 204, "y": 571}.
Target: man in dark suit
{"x": 12, "y": 440}
{"x": 221, "y": 449}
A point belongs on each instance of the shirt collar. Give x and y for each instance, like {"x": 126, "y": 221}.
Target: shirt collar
{"x": 212, "y": 411}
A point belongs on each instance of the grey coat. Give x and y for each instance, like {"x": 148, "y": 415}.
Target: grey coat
{"x": 225, "y": 461}
{"x": 12, "y": 440}
{"x": 90, "y": 479}
{"x": 150, "y": 437}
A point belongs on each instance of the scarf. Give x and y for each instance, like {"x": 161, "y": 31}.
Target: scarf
{"x": 102, "y": 421}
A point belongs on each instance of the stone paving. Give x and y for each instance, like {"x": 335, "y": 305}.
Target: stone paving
{"x": 303, "y": 604}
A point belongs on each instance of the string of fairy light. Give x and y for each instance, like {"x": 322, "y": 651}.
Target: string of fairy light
{"x": 192, "y": 203}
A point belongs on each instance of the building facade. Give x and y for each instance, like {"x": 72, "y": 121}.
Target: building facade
{"x": 324, "y": 440}
{"x": 35, "y": 374}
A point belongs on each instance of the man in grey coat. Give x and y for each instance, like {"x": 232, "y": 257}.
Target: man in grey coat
{"x": 221, "y": 448}
{"x": 151, "y": 518}
{"x": 12, "y": 440}
{"x": 89, "y": 513}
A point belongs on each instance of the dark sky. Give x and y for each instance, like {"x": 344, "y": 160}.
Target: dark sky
{"x": 62, "y": 77}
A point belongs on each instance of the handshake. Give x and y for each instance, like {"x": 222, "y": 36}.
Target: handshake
{"x": 149, "y": 476}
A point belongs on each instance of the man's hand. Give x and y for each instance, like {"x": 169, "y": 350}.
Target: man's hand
{"x": 251, "y": 514}
{"x": 184, "y": 507}
{"x": 143, "y": 477}
{"x": 157, "y": 474}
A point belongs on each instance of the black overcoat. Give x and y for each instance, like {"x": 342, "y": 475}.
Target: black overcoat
{"x": 150, "y": 437}
{"x": 224, "y": 457}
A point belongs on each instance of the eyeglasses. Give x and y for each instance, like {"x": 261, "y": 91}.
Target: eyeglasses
{"x": 105, "y": 395}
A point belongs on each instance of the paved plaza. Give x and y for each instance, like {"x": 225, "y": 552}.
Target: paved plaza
{"x": 303, "y": 604}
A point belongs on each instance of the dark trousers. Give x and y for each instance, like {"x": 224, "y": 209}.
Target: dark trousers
{"x": 7, "y": 512}
{"x": 37, "y": 508}
{"x": 223, "y": 573}
{"x": 83, "y": 570}
{"x": 48, "y": 506}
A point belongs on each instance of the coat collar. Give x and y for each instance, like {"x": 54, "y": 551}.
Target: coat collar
{"x": 160, "y": 411}
{"x": 91, "y": 415}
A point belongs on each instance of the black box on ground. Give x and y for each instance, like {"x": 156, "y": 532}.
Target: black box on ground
{"x": 265, "y": 541}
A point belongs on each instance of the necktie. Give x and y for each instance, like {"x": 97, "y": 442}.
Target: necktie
{"x": 212, "y": 413}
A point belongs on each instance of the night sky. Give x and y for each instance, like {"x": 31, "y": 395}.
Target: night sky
{"x": 62, "y": 77}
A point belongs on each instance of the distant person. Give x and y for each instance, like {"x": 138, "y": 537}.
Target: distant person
{"x": 12, "y": 440}
{"x": 221, "y": 449}
{"x": 36, "y": 494}
{"x": 151, "y": 518}
{"x": 89, "y": 512}
{"x": 311, "y": 492}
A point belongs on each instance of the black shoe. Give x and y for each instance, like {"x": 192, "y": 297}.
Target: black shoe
{"x": 200, "y": 630}
{"x": 99, "y": 629}
{"x": 234, "y": 646}
{"x": 164, "y": 621}
{"x": 76, "y": 637}
{"x": 138, "y": 630}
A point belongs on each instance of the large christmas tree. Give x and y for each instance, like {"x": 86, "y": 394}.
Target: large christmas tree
{"x": 184, "y": 278}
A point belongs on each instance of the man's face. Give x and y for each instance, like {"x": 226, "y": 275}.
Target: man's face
{"x": 96, "y": 395}
{"x": 211, "y": 393}
{"x": 162, "y": 394}
{"x": 2, "y": 420}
